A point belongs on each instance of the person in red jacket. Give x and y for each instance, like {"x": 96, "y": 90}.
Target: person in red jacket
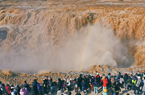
{"x": 7, "y": 87}
{"x": 105, "y": 82}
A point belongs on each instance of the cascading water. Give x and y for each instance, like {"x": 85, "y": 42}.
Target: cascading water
{"x": 57, "y": 38}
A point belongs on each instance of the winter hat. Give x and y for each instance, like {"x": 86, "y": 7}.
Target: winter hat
{"x": 71, "y": 79}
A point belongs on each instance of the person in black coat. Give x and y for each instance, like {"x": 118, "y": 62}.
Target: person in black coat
{"x": 125, "y": 80}
{"x": 117, "y": 88}
{"x": 87, "y": 82}
{"x": 59, "y": 84}
{"x": 45, "y": 84}
{"x": 80, "y": 81}
{"x": 35, "y": 87}
{"x": 18, "y": 89}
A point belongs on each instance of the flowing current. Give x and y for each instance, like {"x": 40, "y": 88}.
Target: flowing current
{"x": 36, "y": 38}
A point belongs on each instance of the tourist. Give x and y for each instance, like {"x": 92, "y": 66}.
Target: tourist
{"x": 125, "y": 80}
{"x": 68, "y": 83}
{"x": 24, "y": 91}
{"x": 86, "y": 81}
{"x": 39, "y": 88}
{"x": 108, "y": 76}
{"x": 119, "y": 76}
{"x": 96, "y": 86}
{"x": 121, "y": 80}
{"x": 7, "y": 87}
{"x": 75, "y": 85}
{"x": 105, "y": 82}
{"x": 12, "y": 90}
{"x": 115, "y": 77}
{"x": 27, "y": 86}
{"x": 63, "y": 85}
{"x": 15, "y": 91}
{"x": 51, "y": 84}
{"x": 59, "y": 84}
{"x": 45, "y": 84}
{"x": 113, "y": 88}
{"x": 117, "y": 88}
{"x": 80, "y": 81}
{"x": 3, "y": 89}
{"x": 35, "y": 86}
{"x": 109, "y": 80}
{"x": 83, "y": 86}
{"x": 98, "y": 78}
{"x": 137, "y": 87}
{"x": 138, "y": 74}
{"x": 18, "y": 89}
{"x": 129, "y": 83}
{"x": 113, "y": 84}
{"x": 134, "y": 80}
{"x": 90, "y": 83}
{"x": 71, "y": 84}
{"x": 131, "y": 75}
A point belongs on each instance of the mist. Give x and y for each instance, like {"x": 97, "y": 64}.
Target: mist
{"x": 91, "y": 45}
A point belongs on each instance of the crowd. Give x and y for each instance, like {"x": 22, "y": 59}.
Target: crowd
{"x": 105, "y": 84}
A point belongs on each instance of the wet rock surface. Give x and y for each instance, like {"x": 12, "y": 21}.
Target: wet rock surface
{"x": 9, "y": 77}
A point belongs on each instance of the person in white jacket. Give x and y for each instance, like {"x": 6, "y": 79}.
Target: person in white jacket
{"x": 137, "y": 85}
{"x": 121, "y": 81}
{"x": 68, "y": 84}
{"x": 12, "y": 92}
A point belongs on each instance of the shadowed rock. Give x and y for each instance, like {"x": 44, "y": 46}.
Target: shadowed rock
{"x": 3, "y": 33}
